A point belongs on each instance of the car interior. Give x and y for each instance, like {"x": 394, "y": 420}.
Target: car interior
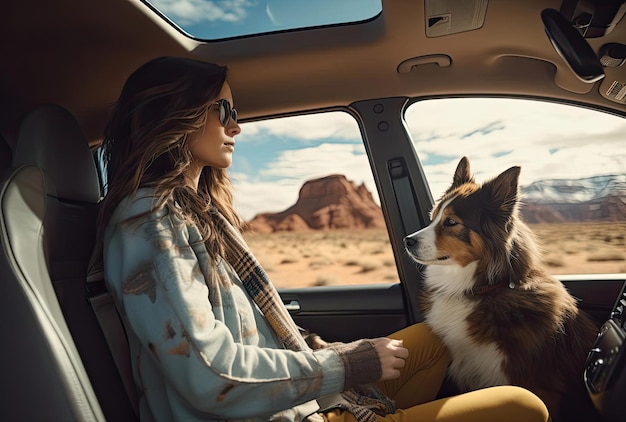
{"x": 63, "y": 65}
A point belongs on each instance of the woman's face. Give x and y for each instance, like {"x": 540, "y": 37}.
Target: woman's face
{"x": 214, "y": 144}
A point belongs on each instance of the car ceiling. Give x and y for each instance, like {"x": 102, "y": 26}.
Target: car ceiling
{"x": 78, "y": 54}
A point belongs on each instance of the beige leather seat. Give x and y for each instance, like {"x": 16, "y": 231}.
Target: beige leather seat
{"x": 55, "y": 363}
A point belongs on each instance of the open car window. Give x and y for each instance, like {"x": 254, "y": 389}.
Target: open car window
{"x": 306, "y": 188}
{"x": 573, "y": 169}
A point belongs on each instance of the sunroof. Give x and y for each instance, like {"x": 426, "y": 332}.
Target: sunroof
{"x": 218, "y": 19}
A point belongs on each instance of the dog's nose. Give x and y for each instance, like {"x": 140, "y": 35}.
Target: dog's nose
{"x": 409, "y": 241}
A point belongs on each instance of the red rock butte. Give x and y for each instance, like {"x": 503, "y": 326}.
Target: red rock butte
{"x": 328, "y": 203}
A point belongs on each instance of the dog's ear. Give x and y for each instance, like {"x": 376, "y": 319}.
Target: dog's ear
{"x": 504, "y": 191}
{"x": 462, "y": 174}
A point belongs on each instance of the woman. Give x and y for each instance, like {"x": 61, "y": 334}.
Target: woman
{"x": 209, "y": 335}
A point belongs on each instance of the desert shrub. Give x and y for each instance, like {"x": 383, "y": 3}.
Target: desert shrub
{"x": 369, "y": 266}
{"x": 607, "y": 255}
{"x": 555, "y": 261}
{"x": 320, "y": 262}
{"x": 324, "y": 280}
{"x": 570, "y": 248}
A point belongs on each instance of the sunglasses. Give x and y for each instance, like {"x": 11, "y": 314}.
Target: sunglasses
{"x": 226, "y": 111}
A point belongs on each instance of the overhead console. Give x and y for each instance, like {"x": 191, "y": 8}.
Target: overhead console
{"x": 605, "y": 373}
{"x": 589, "y": 36}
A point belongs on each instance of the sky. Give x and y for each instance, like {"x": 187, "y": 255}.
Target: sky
{"x": 217, "y": 19}
{"x": 273, "y": 158}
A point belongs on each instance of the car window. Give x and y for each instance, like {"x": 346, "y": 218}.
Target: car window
{"x": 573, "y": 169}
{"x": 304, "y": 185}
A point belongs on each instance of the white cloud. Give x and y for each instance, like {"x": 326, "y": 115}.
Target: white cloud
{"x": 255, "y": 196}
{"x": 547, "y": 140}
{"x": 336, "y": 125}
{"x": 319, "y": 161}
{"x": 294, "y": 167}
{"x": 277, "y": 185}
{"x": 464, "y": 115}
{"x": 188, "y": 12}
{"x": 536, "y": 163}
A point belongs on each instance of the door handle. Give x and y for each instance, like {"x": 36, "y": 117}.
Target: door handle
{"x": 292, "y": 305}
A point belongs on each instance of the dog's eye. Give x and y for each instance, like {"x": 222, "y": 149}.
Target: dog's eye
{"x": 448, "y": 222}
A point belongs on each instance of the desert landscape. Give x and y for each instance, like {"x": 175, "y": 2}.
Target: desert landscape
{"x": 335, "y": 234}
{"x": 364, "y": 256}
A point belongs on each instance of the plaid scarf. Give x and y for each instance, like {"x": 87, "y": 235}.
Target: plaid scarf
{"x": 258, "y": 285}
{"x": 364, "y": 402}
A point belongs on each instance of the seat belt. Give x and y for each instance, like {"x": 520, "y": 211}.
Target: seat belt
{"x": 405, "y": 199}
{"x": 114, "y": 333}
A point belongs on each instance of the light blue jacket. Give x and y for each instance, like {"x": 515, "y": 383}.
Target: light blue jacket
{"x": 202, "y": 349}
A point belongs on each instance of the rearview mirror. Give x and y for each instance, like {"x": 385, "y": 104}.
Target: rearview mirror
{"x": 572, "y": 46}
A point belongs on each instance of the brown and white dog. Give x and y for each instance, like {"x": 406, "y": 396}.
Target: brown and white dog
{"x": 504, "y": 320}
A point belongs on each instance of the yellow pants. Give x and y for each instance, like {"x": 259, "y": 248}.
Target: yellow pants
{"x": 415, "y": 391}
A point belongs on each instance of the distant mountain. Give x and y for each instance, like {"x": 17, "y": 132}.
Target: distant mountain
{"x": 331, "y": 202}
{"x": 575, "y": 191}
{"x": 598, "y": 198}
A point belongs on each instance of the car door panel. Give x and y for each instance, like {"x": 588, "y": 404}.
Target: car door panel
{"x": 596, "y": 294}
{"x": 345, "y": 313}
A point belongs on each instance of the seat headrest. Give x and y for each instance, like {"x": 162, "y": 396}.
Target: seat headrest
{"x": 50, "y": 138}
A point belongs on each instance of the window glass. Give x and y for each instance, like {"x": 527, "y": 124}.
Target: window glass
{"x": 573, "y": 169}
{"x": 305, "y": 185}
{"x": 218, "y": 19}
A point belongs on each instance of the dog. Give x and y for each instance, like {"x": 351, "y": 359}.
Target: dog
{"x": 504, "y": 320}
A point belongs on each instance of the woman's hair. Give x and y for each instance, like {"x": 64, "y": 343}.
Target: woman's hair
{"x": 145, "y": 143}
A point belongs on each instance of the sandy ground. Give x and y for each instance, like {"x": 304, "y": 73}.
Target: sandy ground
{"x": 364, "y": 257}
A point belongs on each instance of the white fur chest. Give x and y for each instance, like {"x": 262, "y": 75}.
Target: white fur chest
{"x": 474, "y": 365}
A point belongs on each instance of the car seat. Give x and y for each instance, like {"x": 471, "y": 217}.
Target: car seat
{"x": 55, "y": 364}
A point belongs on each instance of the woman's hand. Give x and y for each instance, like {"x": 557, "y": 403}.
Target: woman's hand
{"x": 392, "y": 356}
{"x": 370, "y": 360}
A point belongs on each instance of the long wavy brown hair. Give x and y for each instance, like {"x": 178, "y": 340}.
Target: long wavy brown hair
{"x": 145, "y": 143}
